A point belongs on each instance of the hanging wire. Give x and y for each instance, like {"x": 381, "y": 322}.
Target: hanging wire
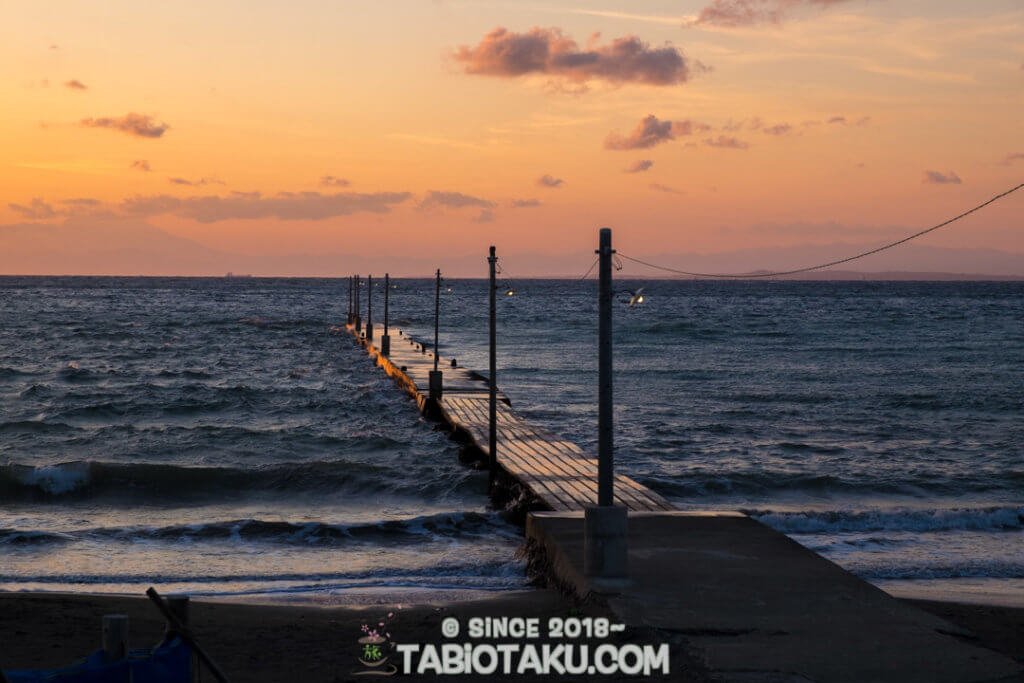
{"x": 510, "y": 288}
{"x": 591, "y": 268}
{"x": 830, "y": 263}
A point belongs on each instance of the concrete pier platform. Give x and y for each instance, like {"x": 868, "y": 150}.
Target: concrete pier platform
{"x": 762, "y": 607}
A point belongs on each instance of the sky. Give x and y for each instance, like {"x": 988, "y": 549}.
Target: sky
{"x": 431, "y": 128}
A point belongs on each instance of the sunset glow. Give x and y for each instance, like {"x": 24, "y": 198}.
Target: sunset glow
{"x": 343, "y": 130}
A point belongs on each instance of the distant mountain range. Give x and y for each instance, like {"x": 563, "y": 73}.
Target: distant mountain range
{"x": 137, "y": 248}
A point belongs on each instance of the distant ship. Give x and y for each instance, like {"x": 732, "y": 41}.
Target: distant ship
{"x": 230, "y": 274}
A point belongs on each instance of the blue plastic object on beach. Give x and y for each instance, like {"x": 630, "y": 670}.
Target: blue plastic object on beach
{"x": 166, "y": 664}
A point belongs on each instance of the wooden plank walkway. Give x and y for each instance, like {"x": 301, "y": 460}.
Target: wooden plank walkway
{"x": 555, "y": 471}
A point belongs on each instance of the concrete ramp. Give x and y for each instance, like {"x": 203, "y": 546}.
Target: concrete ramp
{"x": 764, "y": 608}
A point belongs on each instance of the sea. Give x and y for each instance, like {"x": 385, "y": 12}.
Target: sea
{"x": 224, "y": 437}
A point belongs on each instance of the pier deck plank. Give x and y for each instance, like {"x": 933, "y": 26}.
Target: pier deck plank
{"x": 557, "y": 472}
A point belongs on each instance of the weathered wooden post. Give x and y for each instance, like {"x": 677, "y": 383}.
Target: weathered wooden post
{"x": 178, "y": 606}
{"x": 369, "y": 308}
{"x": 115, "y": 637}
{"x": 385, "y": 339}
{"x": 492, "y": 405}
{"x": 435, "y": 374}
{"x": 359, "y": 319}
{"x": 604, "y": 525}
{"x": 348, "y": 316}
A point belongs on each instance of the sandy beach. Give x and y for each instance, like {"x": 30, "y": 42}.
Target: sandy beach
{"x": 274, "y": 643}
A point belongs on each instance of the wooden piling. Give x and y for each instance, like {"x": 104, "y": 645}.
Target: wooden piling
{"x": 115, "y": 637}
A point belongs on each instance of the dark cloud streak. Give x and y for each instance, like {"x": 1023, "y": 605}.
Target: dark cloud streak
{"x": 506, "y": 54}
{"x": 141, "y": 125}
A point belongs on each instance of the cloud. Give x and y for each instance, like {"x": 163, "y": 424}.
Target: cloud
{"x": 837, "y": 119}
{"x": 524, "y": 203}
{"x": 936, "y": 178}
{"x": 144, "y": 126}
{"x": 507, "y": 54}
{"x": 81, "y": 202}
{"x": 550, "y": 181}
{"x": 780, "y": 129}
{"x": 485, "y": 216}
{"x": 36, "y": 210}
{"x": 652, "y": 131}
{"x": 726, "y": 142}
{"x": 454, "y": 200}
{"x": 332, "y": 181}
{"x": 141, "y": 165}
{"x": 733, "y": 13}
{"x": 286, "y": 206}
{"x": 658, "y": 187}
{"x": 1010, "y": 158}
{"x": 195, "y": 183}
{"x": 639, "y": 166}
{"x": 75, "y": 84}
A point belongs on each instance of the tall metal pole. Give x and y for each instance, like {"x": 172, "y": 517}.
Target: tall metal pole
{"x": 348, "y": 316}
{"x": 369, "y": 308}
{"x": 435, "y": 374}
{"x": 437, "y": 312}
{"x": 385, "y": 340}
{"x": 604, "y": 371}
{"x": 359, "y": 319}
{"x": 605, "y": 543}
{"x": 492, "y": 407}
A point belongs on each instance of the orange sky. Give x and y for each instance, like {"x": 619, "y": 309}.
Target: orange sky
{"x": 408, "y": 97}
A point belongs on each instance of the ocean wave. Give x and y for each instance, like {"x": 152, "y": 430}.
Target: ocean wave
{"x": 153, "y": 483}
{"x": 12, "y": 373}
{"x": 72, "y": 372}
{"x": 691, "y": 485}
{"x": 448, "y": 526}
{"x": 980, "y": 568}
{"x": 839, "y": 521}
{"x": 495, "y": 575}
{"x": 33, "y": 427}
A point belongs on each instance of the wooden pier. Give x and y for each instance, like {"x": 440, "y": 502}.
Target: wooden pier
{"x": 556, "y": 472}
{"x": 756, "y": 604}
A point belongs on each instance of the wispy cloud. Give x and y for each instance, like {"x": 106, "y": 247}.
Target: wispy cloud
{"x": 286, "y": 206}
{"x": 548, "y": 51}
{"x": 454, "y": 200}
{"x": 937, "y": 178}
{"x": 141, "y": 165}
{"x": 1010, "y": 158}
{"x": 524, "y": 203}
{"x": 141, "y": 125}
{"x": 658, "y": 187}
{"x": 550, "y": 181}
{"x": 36, "y": 210}
{"x": 733, "y": 13}
{"x": 726, "y": 142}
{"x": 333, "y": 181}
{"x": 75, "y": 84}
{"x": 639, "y": 166}
{"x": 652, "y": 131}
{"x": 778, "y": 129}
{"x": 195, "y": 183}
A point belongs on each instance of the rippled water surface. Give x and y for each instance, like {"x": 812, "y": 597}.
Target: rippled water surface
{"x": 216, "y": 435}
